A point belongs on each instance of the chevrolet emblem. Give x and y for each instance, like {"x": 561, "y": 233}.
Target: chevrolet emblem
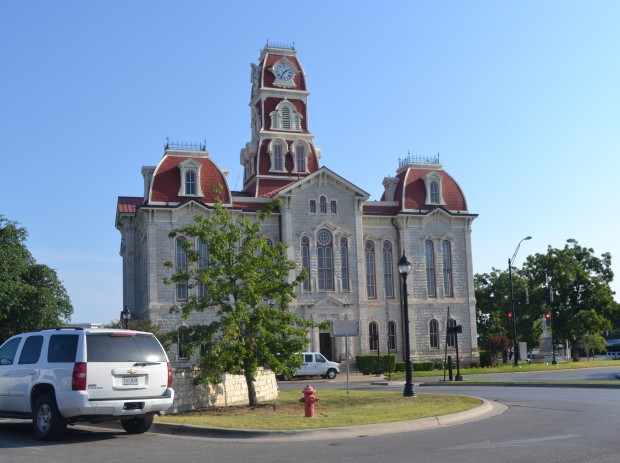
{"x": 132, "y": 371}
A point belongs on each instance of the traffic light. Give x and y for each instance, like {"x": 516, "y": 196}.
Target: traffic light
{"x": 549, "y": 294}
{"x": 548, "y": 318}
{"x": 510, "y": 316}
{"x": 525, "y": 297}
{"x": 455, "y": 329}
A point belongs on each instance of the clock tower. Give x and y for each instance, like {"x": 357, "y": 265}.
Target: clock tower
{"x": 281, "y": 150}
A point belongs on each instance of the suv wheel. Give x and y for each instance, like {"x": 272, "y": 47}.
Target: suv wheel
{"x": 47, "y": 421}
{"x": 138, "y": 425}
{"x": 331, "y": 373}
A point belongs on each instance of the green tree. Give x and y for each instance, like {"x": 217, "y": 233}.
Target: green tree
{"x": 580, "y": 283}
{"x": 493, "y": 305}
{"x": 31, "y": 295}
{"x": 248, "y": 290}
{"x": 592, "y": 343}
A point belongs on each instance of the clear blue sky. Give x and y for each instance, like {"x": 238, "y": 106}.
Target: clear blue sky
{"x": 521, "y": 99}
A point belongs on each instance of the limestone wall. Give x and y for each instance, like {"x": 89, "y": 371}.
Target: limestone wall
{"x": 231, "y": 391}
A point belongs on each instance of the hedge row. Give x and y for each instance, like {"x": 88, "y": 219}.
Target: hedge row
{"x": 367, "y": 364}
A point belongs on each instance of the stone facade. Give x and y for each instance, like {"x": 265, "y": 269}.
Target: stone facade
{"x": 349, "y": 244}
{"x": 231, "y": 391}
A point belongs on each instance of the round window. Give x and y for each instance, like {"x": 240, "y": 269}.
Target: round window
{"x": 324, "y": 237}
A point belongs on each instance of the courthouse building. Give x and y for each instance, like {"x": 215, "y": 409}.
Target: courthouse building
{"x": 349, "y": 244}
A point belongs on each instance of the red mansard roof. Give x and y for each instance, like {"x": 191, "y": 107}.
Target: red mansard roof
{"x": 167, "y": 180}
{"x": 129, "y": 204}
{"x": 415, "y": 190}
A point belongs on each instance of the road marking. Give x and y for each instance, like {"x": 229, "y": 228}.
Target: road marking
{"x": 5, "y": 444}
{"x": 511, "y": 443}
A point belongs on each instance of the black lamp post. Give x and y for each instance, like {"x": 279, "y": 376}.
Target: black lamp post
{"x": 125, "y": 316}
{"x": 404, "y": 268}
{"x": 512, "y": 301}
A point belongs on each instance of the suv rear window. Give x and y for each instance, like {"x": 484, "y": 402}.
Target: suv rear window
{"x": 122, "y": 348}
{"x": 62, "y": 348}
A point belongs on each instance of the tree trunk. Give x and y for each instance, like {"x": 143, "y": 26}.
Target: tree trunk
{"x": 249, "y": 380}
{"x": 574, "y": 350}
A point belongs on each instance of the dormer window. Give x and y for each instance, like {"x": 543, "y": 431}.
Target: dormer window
{"x": 285, "y": 117}
{"x": 277, "y": 151}
{"x": 434, "y": 193}
{"x": 190, "y": 182}
{"x": 190, "y": 178}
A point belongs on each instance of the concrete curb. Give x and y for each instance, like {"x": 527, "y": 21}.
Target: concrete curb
{"x": 486, "y": 410}
{"x": 523, "y": 384}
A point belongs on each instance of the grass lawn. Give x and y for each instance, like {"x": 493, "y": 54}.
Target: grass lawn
{"x": 335, "y": 408}
{"x": 509, "y": 368}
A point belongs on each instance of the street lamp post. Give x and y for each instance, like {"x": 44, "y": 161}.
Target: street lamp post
{"x": 387, "y": 336}
{"x": 512, "y": 301}
{"x": 404, "y": 268}
{"x": 125, "y": 316}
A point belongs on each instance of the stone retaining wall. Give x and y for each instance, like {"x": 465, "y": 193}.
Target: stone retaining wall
{"x": 231, "y": 391}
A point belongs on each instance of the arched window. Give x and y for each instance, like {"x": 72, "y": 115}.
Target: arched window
{"x": 181, "y": 264}
{"x": 446, "y": 250}
{"x": 277, "y": 151}
{"x": 430, "y": 268}
{"x": 344, "y": 263}
{"x": 190, "y": 182}
{"x": 286, "y": 117}
{"x": 325, "y": 260}
{"x": 300, "y": 158}
{"x": 392, "y": 336}
{"x": 182, "y": 338}
{"x": 434, "y": 192}
{"x": 371, "y": 288}
{"x": 373, "y": 336}
{"x": 434, "y": 334}
{"x": 305, "y": 261}
{"x": 203, "y": 262}
{"x": 189, "y": 179}
{"x": 388, "y": 278}
{"x": 323, "y": 205}
{"x": 452, "y": 336}
{"x": 277, "y": 158}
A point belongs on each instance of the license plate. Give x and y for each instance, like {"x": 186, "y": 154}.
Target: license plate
{"x": 130, "y": 381}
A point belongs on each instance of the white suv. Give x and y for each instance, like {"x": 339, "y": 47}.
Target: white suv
{"x": 60, "y": 376}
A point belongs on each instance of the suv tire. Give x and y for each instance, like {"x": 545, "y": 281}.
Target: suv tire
{"x": 47, "y": 421}
{"x": 138, "y": 425}
{"x": 331, "y": 373}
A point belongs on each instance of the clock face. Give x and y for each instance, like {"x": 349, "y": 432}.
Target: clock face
{"x": 283, "y": 71}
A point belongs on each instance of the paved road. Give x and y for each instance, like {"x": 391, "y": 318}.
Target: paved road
{"x": 539, "y": 424}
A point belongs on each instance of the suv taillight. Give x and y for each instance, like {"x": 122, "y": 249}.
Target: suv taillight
{"x": 78, "y": 380}
{"x": 169, "y": 374}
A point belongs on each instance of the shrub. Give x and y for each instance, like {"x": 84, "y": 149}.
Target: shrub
{"x": 486, "y": 358}
{"x": 423, "y": 366}
{"x": 494, "y": 346}
{"x": 367, "y": 363}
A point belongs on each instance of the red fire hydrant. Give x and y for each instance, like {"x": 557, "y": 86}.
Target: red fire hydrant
{"x": 309, "y": 399}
